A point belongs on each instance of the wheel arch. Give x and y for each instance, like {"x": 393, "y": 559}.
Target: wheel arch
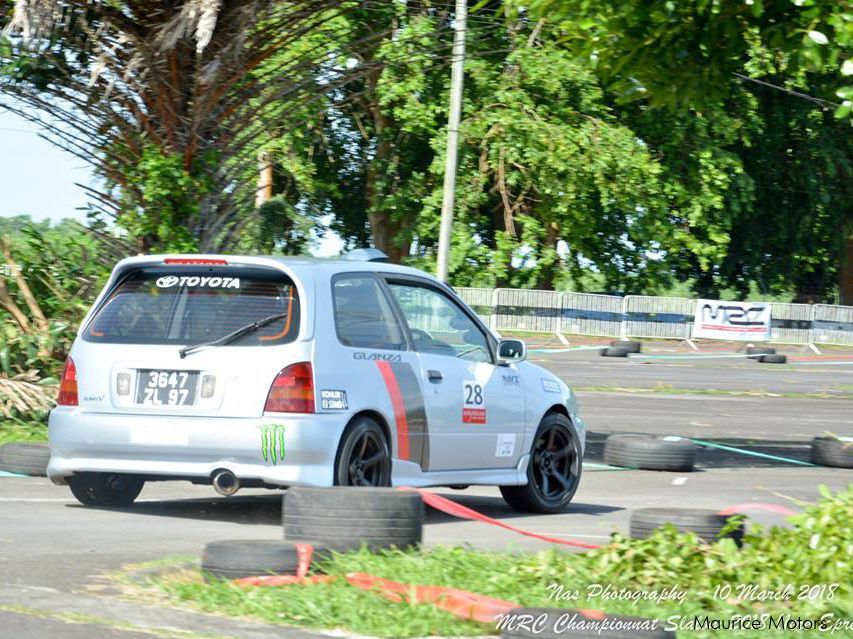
{"x": 561, "y": 409}
{"x": 376, "y": 416}
{"x": 557, "y": 408}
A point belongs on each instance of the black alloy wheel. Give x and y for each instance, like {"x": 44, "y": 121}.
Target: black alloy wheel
{"x": 364, "y": 458}
{"x": 105, "y": 490}
{"x": 555, "y": 460}
{"x": 554, "y": 469}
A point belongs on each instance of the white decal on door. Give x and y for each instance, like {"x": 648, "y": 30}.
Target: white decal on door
{"x": 506, "y": 445}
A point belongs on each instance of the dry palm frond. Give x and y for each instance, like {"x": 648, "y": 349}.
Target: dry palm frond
{"x": 23, "y": 394}
{"x": 195, "y": 78}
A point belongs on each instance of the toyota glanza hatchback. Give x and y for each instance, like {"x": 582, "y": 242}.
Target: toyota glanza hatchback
{"x": 261, "y": 371}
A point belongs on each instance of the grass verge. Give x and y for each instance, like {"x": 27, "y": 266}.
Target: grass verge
{"x": 809, "y": 564}
{"x": 18, "y": 430}
{"x": 672, "y": 390}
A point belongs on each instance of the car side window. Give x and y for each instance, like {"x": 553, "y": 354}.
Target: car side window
{"x": 438, "y": 325}
{"x": 363, "y": 315}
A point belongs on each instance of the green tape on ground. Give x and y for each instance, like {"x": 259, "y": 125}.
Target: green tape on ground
{"x": 3, "y": 473}
{"x": 592, "y": 466}
{"x": 751, "y": 453}
{"x": 565, "y": 350}
{"x": 639, "y": 356}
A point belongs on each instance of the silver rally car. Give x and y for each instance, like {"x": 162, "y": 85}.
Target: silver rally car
{"x": 262, "y": 371}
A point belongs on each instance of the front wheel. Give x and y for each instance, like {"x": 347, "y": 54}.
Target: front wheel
{"x": 553, "y": 471}
{"x": 107, "y": 490}
{"x": 364, "y": 457}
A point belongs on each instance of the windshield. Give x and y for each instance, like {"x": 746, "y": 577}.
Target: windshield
{"x": 168, "y": 305}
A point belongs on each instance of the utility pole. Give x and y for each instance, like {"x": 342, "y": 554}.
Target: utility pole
{"x": 456, "y": 79}
{"x": 264, "y": 191}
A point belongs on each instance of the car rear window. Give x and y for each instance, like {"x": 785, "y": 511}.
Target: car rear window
{"x": 168, "y": 305}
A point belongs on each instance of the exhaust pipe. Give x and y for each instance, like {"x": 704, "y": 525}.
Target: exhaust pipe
{"x": 225, "y": 482}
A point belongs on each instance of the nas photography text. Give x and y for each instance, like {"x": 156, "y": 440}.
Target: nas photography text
{"x": 742, "y": 592}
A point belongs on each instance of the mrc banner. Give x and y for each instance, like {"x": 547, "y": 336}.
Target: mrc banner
{"x": 745, "y": 321}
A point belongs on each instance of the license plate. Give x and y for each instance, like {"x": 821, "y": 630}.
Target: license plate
{"x": 166, "y": 388}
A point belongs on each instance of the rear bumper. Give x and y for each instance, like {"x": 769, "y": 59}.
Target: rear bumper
{"x": 284, "y": 450}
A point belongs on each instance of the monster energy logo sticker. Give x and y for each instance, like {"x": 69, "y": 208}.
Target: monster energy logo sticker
{"x": 272, "y": 442}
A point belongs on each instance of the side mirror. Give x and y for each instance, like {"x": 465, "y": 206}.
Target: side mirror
{"x": 511, "y": 351}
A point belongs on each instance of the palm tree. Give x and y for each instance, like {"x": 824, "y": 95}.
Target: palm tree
{"x": 167, "y": 100}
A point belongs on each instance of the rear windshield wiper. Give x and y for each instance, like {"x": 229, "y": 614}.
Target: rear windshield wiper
{"x": 232, "y": 336}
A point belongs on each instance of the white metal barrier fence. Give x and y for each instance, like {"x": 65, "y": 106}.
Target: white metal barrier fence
{"x": 588, "y": 314}
{"x": 642, "y": 316}
{"x": 832, "y": 324}
{"x": 667, "y": 317}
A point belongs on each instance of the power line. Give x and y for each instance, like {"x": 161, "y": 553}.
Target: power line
{"x": 796, "y": 94}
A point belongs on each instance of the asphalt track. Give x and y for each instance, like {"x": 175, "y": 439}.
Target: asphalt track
{"x": 54, "y": 554}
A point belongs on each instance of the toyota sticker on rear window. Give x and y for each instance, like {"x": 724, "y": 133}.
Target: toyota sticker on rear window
{"x": 192, "y": 281}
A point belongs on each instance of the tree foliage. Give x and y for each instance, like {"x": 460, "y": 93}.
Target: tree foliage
{"x": 51, "y": 276}
{"x": 689, "y": 53}
{"x": 167, "y": 101}
{"x": 571, "y": 174}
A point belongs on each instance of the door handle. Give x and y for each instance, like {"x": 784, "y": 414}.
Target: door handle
{"x": 435, "y": 376}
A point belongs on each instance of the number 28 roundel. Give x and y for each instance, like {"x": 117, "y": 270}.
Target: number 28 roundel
{"x": 473, "y": 403}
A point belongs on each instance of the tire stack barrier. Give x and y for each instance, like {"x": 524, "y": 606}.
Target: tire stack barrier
{"x": 832, "y": 451}
{"x": 632, "y": 346}
{"x": 650, "y": 452}
{"x": 345, "y": 517}
{"x": 236, "y": 559}
{"x": 755, "y": 352}
{"x": 317, "y": 522}
{"x": 25, "y": 459}
{"x": 705, "y": 524}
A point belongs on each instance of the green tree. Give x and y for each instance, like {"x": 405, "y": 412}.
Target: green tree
{"x": 787, "y": 222}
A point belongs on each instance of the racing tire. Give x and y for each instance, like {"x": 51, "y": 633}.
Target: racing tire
{"x": 630, "y": 345}
{"x": 25, "y": 459}
{"x": 344, "y": 518}
{"x": 364, "y": 456}
{"x": 650, "y": 452}
{"x": 772, "y": 359}
{"x": 105, "y": 490}
{"x": 754, "y": 352}
{"x": 557, "y": 623}
{"x": 553, "y": 470}
{"x": 705, "y": 524}
{"x": 234, "y": 559}
{"x": 614, "y": 351}
{"x": 832, "y": 451}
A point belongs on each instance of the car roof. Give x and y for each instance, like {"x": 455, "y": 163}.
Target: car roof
{"x": 299, "y": 265}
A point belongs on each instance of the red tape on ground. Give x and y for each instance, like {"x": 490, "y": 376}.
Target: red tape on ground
{"x": 283, "y": 580}
{"x": 450, "y": 507}
{"x": 460, "y": 603}
{"x": 771, "y": 508}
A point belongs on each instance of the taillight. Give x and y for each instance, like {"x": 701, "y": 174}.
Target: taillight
{"x": 195, "y": 260}
{"x": 68, "y": 385}
{"x": 292, "y": 390}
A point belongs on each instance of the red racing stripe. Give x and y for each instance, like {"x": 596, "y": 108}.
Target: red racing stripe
{"x": 399, "y": 408}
